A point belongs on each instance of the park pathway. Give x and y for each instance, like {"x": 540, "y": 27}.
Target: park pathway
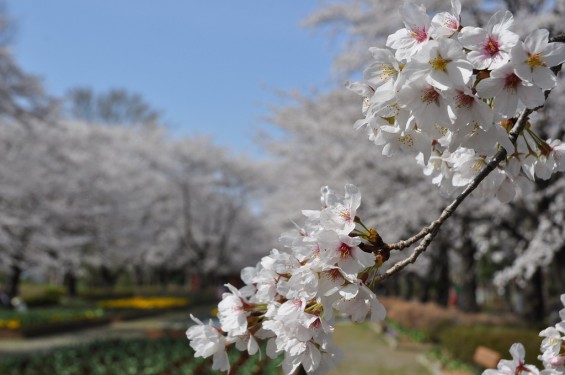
{"x": 368, "y": 351}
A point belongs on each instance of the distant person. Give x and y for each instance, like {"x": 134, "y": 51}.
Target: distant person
{"x": 19, "y": 304}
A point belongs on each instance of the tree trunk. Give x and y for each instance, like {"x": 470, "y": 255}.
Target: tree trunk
{"x": 70, "y": 281}
{"x": 426, "y": 286}
{"x": 408, "y": 287}
{"x": 139, "y": 276}
{"x": 109, "y": 278}
{"x": 533, "y": 309}
{"x": 442, "y": 282}
{"x": 13, "y": 289}
{"x": 467, "y": 297}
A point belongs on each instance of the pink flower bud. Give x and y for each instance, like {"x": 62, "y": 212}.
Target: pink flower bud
{"x": 557, "y": 361}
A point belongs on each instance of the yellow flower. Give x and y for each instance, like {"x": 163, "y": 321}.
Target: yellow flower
{"x": 13, "y": 324}
{"x": 144, "y": 303}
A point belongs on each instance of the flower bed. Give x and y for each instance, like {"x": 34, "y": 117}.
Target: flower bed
{"x": 42, "y": 321}
{"x": 139, "y": 307}
{"x": 171, "y": 356}
{"x": 144, "y": 303}
{"x": 48, "y": 320}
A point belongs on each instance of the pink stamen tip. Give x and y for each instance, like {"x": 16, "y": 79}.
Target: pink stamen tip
{"x": 420, "y": 34}
{"x": 491, "y": 47}
{"x": 464, "y": 100}
{"x": 334, "y": 274}
{"x": 512, "y": 81}
{"x": 345, "y": 250}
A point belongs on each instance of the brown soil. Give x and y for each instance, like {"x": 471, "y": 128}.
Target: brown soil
{"x": 428, "y": 315}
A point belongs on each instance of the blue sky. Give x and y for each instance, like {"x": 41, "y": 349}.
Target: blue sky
{"x": 209, "y": 66}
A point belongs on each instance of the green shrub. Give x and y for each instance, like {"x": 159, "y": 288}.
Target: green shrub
{"x": 461, "y": 341}
{"x": 94, "y": 294}
{"x": 49, "y": 296}
{"x": 45, "y": 316}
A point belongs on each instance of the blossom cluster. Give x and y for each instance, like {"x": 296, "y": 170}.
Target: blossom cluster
{"x": 552, "y": 353}
{"x": 450, "y": 94}
{"x": 292, "y": 296}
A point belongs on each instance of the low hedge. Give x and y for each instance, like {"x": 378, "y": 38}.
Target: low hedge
{"x": 42, "y": 316}
{"x": 50, "y": 296}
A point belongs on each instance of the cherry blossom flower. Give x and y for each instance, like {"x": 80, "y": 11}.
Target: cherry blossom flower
{"x": 557, "y": 153}
{"x": 339, "y": 213}
{"x": 412, "y": 141}
{"x": 467, "y": 108}
{"x": 490, "y": 47}
{"x": 443, "y": 63}
{"x": 446, "y": 24}
{"x": 483, "y": 142}
{"x": 426, "y": 102}
{"x": 514, "y": 367}
{"x": 247, "y": 342}
{"x": 358, "y": 301}
{"x": 550, "y": 159}
{"x": 534, "y": 57}
{"x": 384, "y": 70}
{"x": 231, "y": 312}
{"x": 207, "y": 341}
{"x": 344, "y": 252}
{"x": 552, "y": 342}
{"x": 331, "y": 281}
{"x": 414, "y": 36}
{"x": 466, "y": 165}
{"x": 302, "y": 284}
{"x": 440, "y": 170}
{"x": 508, "y": 91}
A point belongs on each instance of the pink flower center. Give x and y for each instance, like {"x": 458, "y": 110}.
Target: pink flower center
{"x": 521, "y": 368}
{"x": 511, "y": 82}
{"x": 316, "y": 249}
{"x": 464, "y": 101}
{"x": 334, "y": 274}
{"x": 420, "y": 34}
{"x": 346, "y": 215}
{"x": 491, "y": 47}
{"x": 345, "y": 251}
{"x": 316, "y": 324}
{"x": 450, "y": 23}
{"x": 430, "y": 96}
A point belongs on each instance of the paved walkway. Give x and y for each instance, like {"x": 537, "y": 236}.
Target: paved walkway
{"x": 368, "y": 351}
